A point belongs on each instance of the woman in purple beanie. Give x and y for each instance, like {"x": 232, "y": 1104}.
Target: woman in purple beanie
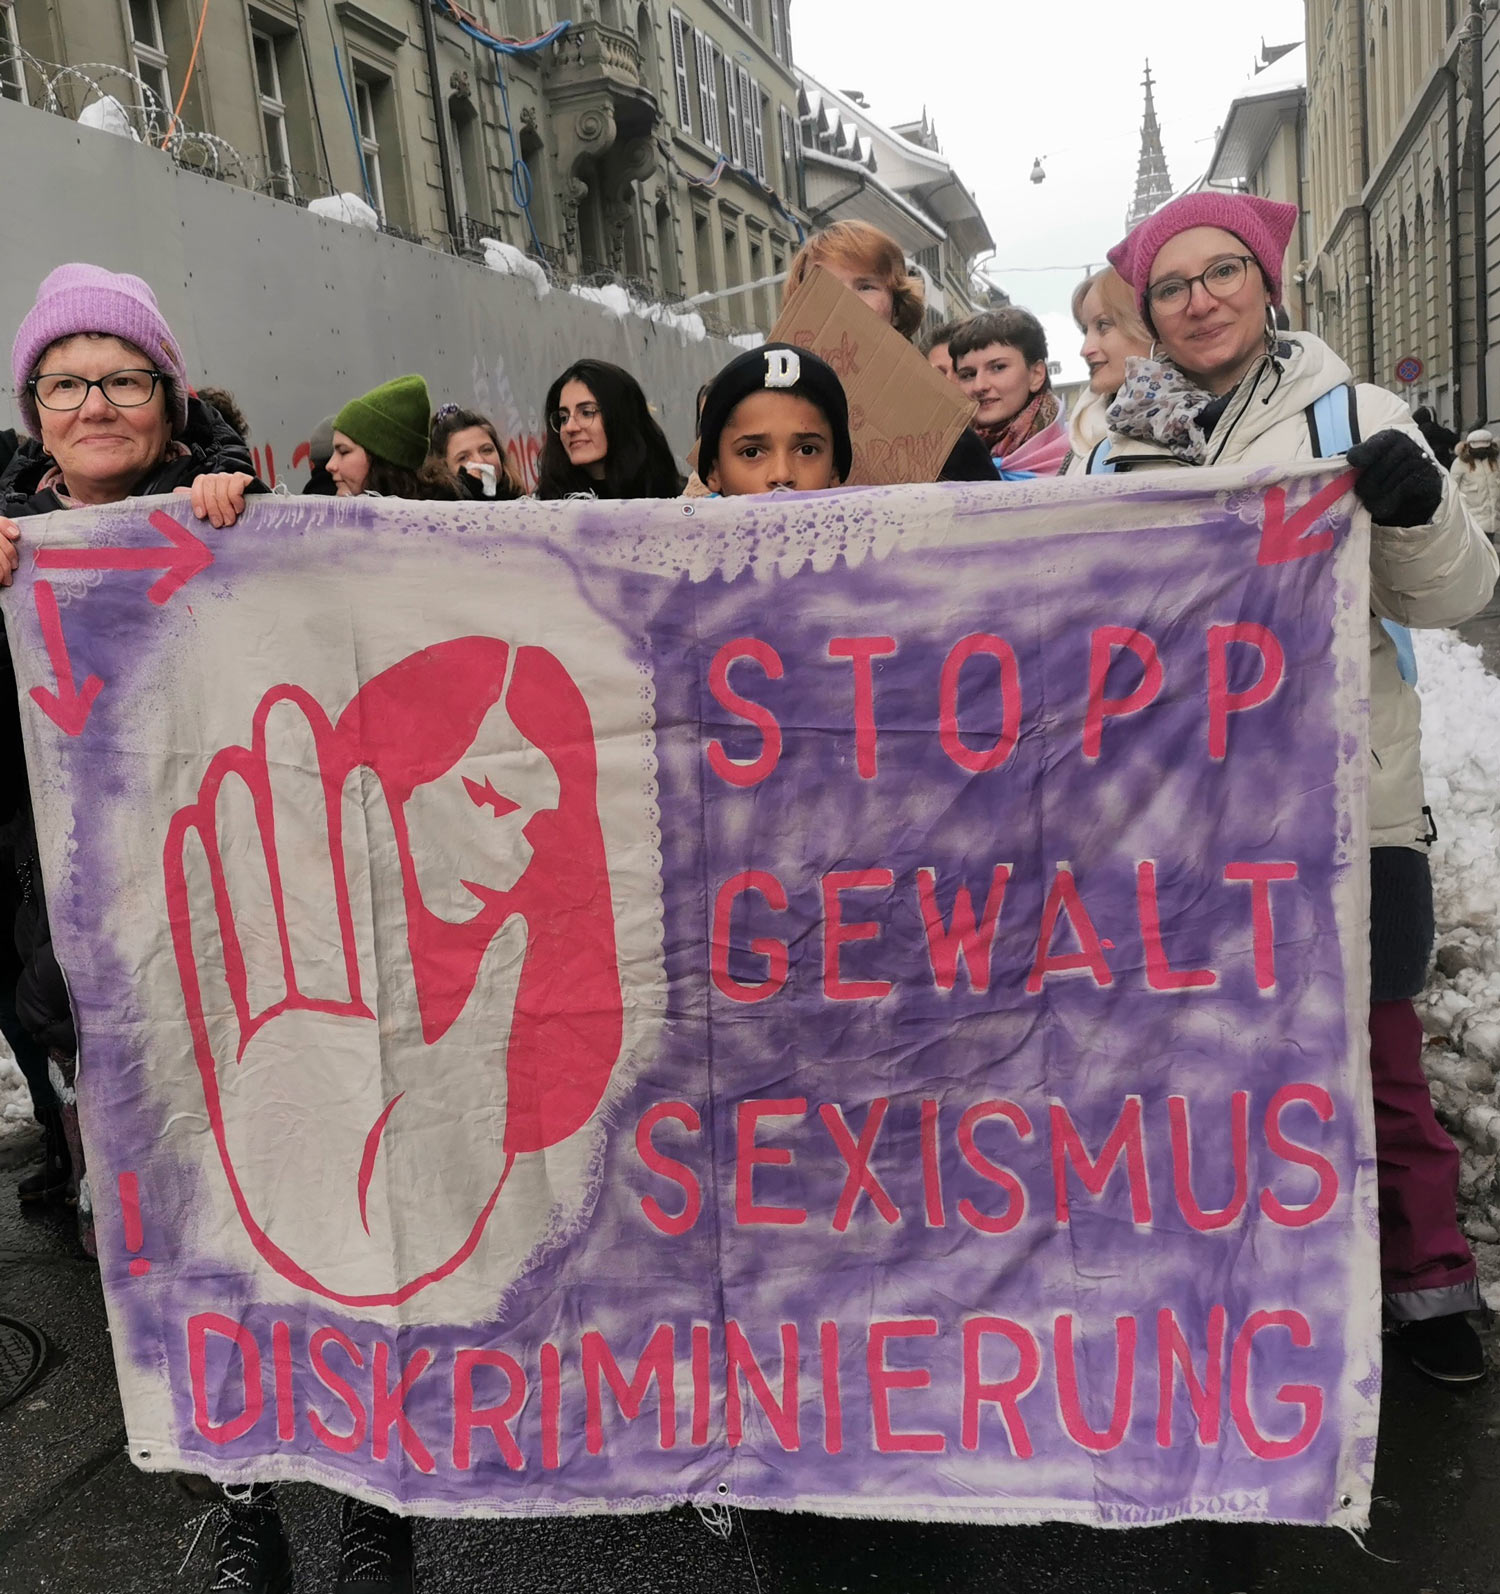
{"x": 103, "y": 391}
{"x": 1224, "y": 386}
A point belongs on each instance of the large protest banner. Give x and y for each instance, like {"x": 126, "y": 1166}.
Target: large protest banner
{"x": 854, "y": 1003}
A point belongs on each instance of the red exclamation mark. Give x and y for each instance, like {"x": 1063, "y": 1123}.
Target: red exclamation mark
{"x": 130, "y": 1211}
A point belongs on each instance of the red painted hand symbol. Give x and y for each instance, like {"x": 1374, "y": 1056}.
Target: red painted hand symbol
{"x": 396, "y": 945}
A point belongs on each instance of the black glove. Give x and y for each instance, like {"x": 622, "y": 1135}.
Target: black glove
{"x": 1398, "y": 482}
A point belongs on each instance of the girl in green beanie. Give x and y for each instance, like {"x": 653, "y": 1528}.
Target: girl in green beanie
{"x": 380, "y": 445}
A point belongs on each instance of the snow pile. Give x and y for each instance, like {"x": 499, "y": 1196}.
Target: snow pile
{"x": 618, "y": 301}
{"x": 512, "y": 262}
{"x": 109, "y": 116}
{"x": 1461, "y": 1006}
{"x": 688, "y": 323}
{"x": 16, "y": 1119}
{"x": 349, "y": 208}
{"x": 611, "y": 297}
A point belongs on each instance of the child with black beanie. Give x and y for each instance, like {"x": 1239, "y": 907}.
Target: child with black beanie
{"x": 775, "y": 419}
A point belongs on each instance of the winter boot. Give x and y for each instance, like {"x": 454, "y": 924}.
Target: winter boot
{"x": 250, "y": 1549}
{"x": 1445, "y": 1349}
{"x": 50, "y": 1182}
{"x": 374, "y": 1550}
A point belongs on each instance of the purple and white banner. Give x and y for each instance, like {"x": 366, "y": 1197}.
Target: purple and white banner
{"x": 852, "y": 1003}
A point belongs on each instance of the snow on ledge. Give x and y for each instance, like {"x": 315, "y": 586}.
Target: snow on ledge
{"x": 620, "y": 303}
{"x": 109, "y": 116}
{"x": 512, "y": 262}
{"x": 348, "y": 208}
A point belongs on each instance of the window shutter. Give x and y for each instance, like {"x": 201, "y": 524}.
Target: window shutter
{"x": 732, "y": 111}
{"x": 703, "y": 58}
{"x": 758, "y": 127}
{"x": 778, "y": 29}
{"x": 790, "y": 147}
{"x": 713, "y": 128}
{"x": 749, "y": 107}
{"x": 680, "y": 73}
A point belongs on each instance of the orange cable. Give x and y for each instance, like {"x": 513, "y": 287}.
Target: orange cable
{"x": 191, "y": 66}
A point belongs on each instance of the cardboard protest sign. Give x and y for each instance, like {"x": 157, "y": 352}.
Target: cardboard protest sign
{"x": 904, "y": 418}
{"x": 853, "y": 1003}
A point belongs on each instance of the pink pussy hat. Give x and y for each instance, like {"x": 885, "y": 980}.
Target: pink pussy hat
{"x": 1264, "y": 226}
{"x": 82, "y": 298}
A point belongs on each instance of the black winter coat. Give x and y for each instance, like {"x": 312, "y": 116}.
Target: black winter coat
{"x": 969, "y": 460}
{"x": 41, "y": 991}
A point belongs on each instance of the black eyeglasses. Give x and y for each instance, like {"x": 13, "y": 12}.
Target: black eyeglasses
{"x": 1172, "y": 295}
{"x": 580, "y": 412}
{"x": 126, "y": 390}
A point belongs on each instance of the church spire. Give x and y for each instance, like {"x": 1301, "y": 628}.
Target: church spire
{"x": 1153, "y": 186}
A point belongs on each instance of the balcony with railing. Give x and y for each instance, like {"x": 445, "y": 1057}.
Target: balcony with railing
{"x": 590, "y": 63}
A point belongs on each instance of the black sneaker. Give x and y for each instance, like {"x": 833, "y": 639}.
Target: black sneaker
{"x": 1444, "y": 1349}
{"x": 250, "y": 1548}
{"x": 374, "y": 1550}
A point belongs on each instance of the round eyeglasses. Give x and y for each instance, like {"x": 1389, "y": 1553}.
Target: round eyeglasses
{"x": 1172, "y": 295}
{"x": 580, "y": 412}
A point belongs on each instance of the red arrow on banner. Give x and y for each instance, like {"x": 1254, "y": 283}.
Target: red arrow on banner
{"x": 68, "y": 708}
{"x": 186, "y": 558}
{"x": 1283, "y": 539}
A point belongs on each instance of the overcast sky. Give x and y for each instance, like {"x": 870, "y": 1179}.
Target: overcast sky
{"x": 1006, "y": 82}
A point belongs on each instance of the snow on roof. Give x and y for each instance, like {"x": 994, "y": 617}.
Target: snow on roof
{"x": 1285, "y": 74}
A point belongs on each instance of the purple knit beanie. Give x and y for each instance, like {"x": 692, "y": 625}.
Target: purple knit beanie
{"x": 82, "y": 298}
{"x": 1264, "y": 226}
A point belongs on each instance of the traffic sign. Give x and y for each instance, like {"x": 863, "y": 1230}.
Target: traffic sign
{"x": 1409, "y": 369}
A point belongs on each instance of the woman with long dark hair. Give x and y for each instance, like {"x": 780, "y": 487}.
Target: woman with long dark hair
{"x": 602, "y": 439}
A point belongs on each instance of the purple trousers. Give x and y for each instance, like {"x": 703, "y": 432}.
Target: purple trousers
{"x": 1426, "y": 1267}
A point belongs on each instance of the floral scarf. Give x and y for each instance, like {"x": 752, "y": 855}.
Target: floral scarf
{"x": 1039, "y": 414}
{"x": 1158, "y": 404}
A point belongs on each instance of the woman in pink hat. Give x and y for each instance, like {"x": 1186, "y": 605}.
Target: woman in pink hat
{"x": 1224, "y": 387}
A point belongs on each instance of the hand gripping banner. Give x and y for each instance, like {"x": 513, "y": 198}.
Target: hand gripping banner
{"x": 854, "y": 1003}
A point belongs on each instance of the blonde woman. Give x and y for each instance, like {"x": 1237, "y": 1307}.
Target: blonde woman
{"x": 1113, "y": 332}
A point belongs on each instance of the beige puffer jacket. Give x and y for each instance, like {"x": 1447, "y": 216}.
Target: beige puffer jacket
{"x": 1479, "y": 486}
{"x": 1423, "y": 577}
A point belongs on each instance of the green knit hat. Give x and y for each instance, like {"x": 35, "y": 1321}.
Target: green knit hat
{"x": 391, "y": 420}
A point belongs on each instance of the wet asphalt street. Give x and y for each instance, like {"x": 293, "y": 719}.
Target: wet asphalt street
{"x": 77, "y": 1518}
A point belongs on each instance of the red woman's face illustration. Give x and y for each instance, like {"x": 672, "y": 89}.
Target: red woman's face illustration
{"x": 467, "y": 829}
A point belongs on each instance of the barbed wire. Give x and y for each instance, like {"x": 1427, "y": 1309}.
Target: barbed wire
{"x": 70, "y": 89}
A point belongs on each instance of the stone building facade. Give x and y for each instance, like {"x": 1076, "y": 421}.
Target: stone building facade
{"x": 1397, "y": 253}
{"x": 657, "y": 140}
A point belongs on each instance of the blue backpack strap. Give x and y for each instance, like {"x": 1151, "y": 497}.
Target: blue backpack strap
{"x": 1406, "y": 654}
{"x": 1333, "y": 423}
{"x": 1100, "y": 463}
